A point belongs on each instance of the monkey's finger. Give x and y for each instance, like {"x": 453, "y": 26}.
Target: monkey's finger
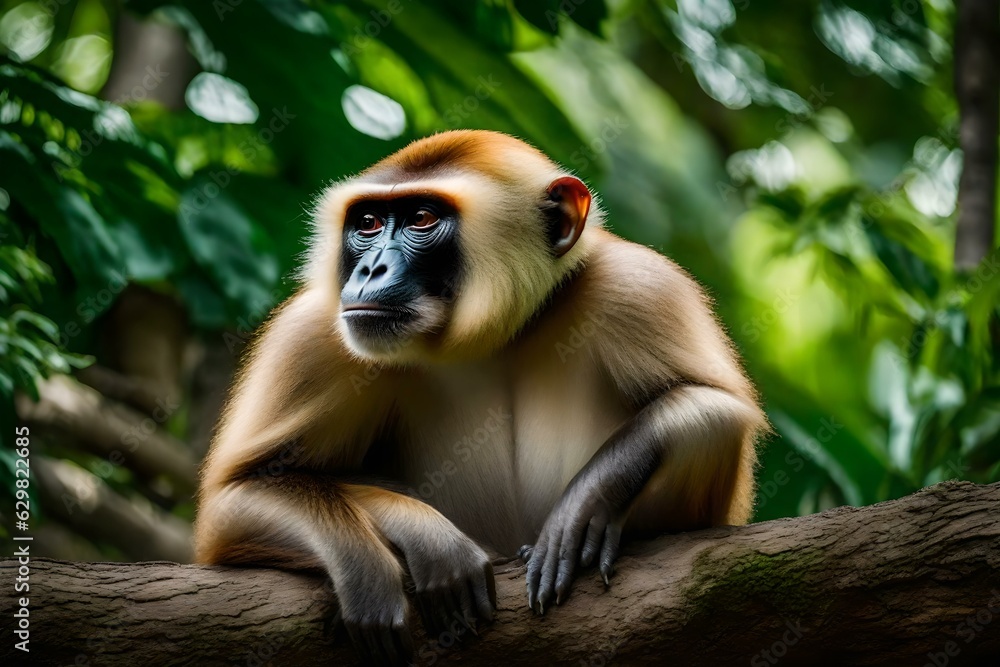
{"x": 485, "y": 592}
{"x": 609, "y": 553}
{"x": 565, "y": 574}
{"x": 438, "y": 613}
{"x": 592, "y": 543}
{"x": 546, "y": 585}
{"x": 357, "y": 641}
{"x": 384, "y": 645}
{"x": 569, "y": 556}
{"x": 404, "y": 643}
{"x": 444, "y": 609}
{"x": 373, "y": 643}
{"x": 387, "y": 641}
{"x": 491, "y": 583}
{"x": 524, "y": 553}
{"x": 466, "y": 600}
{"x": 427, "y": 615}
{"x": 534, "y": 575}
{"x": 457, "y": 620}
{"x": 359, "y": 638}
{"x": 468, "y": 606}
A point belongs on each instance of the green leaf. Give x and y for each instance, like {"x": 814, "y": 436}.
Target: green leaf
{"x": 42, "y": 323}
{"x": 68, "y": 218}
{"x": 228, "y": 245}
{"x": 790, "y": 202}
{"x": 834, "y": 205}
{"x": 809, "y": 446}
{"x": 206, "y": 305}
{"x": 547, "y": 14}
{"x": 909, "y": 270}
{"x": 84, "y": 240}
{"x": 474, "y": 87}
{"x": 29, "y": 347}
{"x": 27, "y": 377}
{"x": 144, "y": 259}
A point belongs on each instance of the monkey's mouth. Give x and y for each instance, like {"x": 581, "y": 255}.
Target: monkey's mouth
{"x": 383, "y": 329}
{"x": 376, "y": 324}
{"x": 370, "y": 309}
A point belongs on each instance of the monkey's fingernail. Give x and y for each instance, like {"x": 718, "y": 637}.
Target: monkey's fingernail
{"x": 541, "y": 609}
{"x": 607, "y": 582}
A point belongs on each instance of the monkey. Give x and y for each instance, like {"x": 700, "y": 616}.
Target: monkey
{"x": 472, "y": 362}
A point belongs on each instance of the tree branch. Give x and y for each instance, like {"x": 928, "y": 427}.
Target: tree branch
{"x": 881, "y": 585}
{"x": 135, "y": 392}
{"x": 112, "y": 431}
{"x": 83, "y": 500}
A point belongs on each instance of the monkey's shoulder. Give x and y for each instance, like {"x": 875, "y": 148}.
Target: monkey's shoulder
{"x": 626, "y": 279}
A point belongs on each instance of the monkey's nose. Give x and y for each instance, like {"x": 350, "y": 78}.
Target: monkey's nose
{"x": 376, "y": 274}
{"x": 371, "y": 274}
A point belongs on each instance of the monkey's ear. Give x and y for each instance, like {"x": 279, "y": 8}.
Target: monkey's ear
{"x": 570, "y": 201}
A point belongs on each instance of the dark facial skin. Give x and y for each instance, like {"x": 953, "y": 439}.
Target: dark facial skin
{"x": 397, "y": 254}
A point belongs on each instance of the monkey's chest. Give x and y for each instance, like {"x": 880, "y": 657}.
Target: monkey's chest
{"x": 494, "y": 455}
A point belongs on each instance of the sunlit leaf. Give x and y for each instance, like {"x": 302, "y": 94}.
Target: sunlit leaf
{"x": 220, "y": 100}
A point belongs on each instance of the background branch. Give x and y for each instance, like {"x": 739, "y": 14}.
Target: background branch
{"x": 83, "y": 500}
{"x": 112, "y": 431}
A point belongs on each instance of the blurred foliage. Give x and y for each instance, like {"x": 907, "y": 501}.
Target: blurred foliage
{"x": 798, "y": 157}
{"x": 29, "y": 341}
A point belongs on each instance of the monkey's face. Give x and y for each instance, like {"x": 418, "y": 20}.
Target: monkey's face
{"x": 398, "y": 271}
{"x": 444, "y": 250}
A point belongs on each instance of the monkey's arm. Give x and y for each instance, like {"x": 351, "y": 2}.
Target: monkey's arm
{"x": 686, "y": 459}
{"x": 695, "y": 428}
{"x": 300, "y": 520}
{"x": 452, "y": 576}
{"x": 307, "y": 520}
{"x": 275, "y": 488}
{"x": 296, "y": 410}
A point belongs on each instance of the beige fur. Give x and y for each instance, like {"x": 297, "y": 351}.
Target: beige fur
{"x": 539, "y": 361}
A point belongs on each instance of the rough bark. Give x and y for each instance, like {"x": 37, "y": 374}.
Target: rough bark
{"x": 891, "y": 584}
{"x": 977, "y": 90}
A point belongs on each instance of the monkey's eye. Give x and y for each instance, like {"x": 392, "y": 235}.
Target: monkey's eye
{"x": 369, "y": 223}
{"x": 423, "y": 218}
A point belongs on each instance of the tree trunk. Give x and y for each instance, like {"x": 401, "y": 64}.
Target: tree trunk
{"x": 977, "y": 90}
{"x": 912, "y": 581}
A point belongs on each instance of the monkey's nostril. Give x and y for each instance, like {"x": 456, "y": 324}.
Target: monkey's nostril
{"x": 379, "y": 270}
{"x": 365, "y": 271}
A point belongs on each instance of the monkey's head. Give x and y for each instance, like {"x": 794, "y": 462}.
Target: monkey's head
{"x": 447, "y": 248}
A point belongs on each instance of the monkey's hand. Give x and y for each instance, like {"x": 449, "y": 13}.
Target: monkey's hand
{"x": 452, "y": 577}
{"x": 373, "y": 607}
{"x": 583, "y": 526}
